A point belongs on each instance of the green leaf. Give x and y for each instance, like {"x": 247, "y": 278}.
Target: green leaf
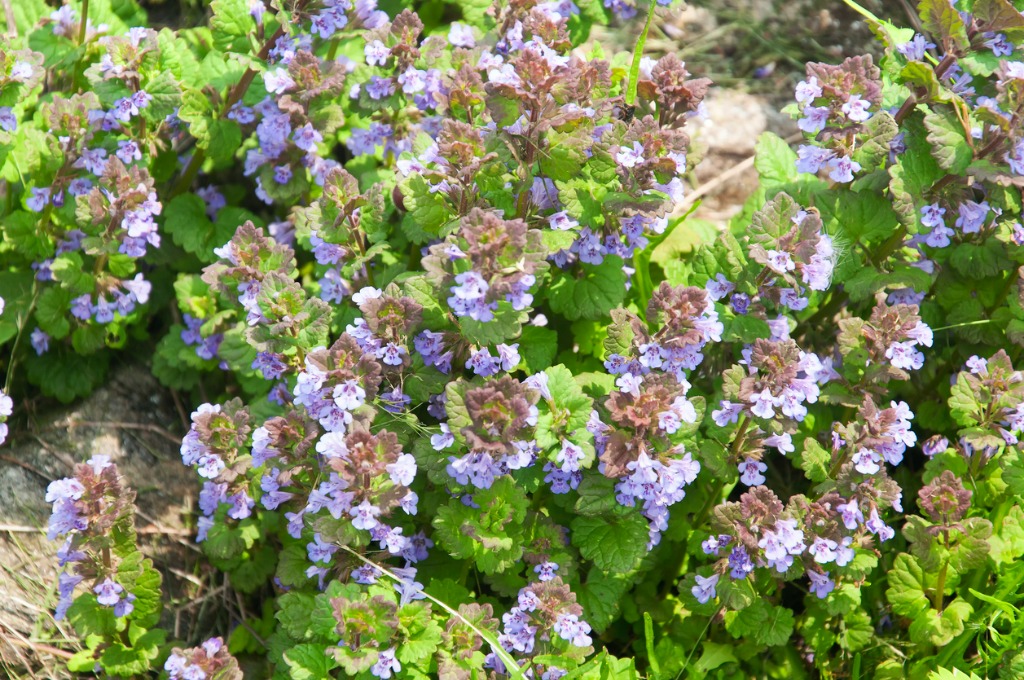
{"x": 714, "y": 655}
{"x": 255, "y": 570}
{"x": 861, "y": 216}
{"x": 564, "y": 157}
{"x": 166, "y": 96}
{"x": 777, "y": 627}
{"x": 556, "y": 240}
{"x": 309, "y": 662}
{"x": 134, "y": 661}
{"x": 999, "y": 15}
{"x": 1007, "y": 545}
{"x": 600, "y": 596}
{"x": 176, "y": 57}
{"x": 940, "y": 628}
{"x": 186, "y": 221}
{"x": 294, "y": 610}
{"x": 231, "y": 25}
{"x": 949, "y": 144}
{"x": 600, "y": 289}
{"x": 873, "y": 152}
{"x": 614, "y": 545}
{"x": 89, "y": 617}
{"x": 570, "y": 407}
{"x": 489, "y": 535}
{"x": 506, "y": 325}
{"x": 746, "y": 328}
{"x": 52, "y": 311}
{"x": 538, "y": 347}
{"x": 943, "y": 21}
{"x": 906, "y": 591}
{"x": 922, "y": 75}
{"x": 597, "y": 497}
{"x": 815, "y": 460}
{"x": 427, "y": 216}
{"x": 67, "y": 268}
{"x": 66, "y": 377}
{"x": 420, "y": 632}
{"x": 21, "y": 230}
{"x": 963, "y": 402}
{"x": 982, "y": 261}
{"x": 857, "y": 631}
{"x": 775, "y": 161}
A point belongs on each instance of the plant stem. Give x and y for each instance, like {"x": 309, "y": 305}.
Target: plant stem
{"x": 22, "y": 323}
{"x": 940, "y": 586}
{"x": 85, "y": 22}
{"x": 234, "y": 96}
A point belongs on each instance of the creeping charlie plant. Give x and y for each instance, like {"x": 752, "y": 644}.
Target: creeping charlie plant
{"x": 463, "y": 416}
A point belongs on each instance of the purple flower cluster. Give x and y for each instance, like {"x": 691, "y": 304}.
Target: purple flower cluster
{"x": 834, "y": 103}
{"x": 971, "y": 218}
{"x": 657, "y": 486}
{"x": 543, "y": 609}
{"x": 85, "y": 507}
{"x": 205, "y": 348}
{"x": 469, "y": 297}
{"x": 209, "y": 660}
{"x": 121, "y": 302}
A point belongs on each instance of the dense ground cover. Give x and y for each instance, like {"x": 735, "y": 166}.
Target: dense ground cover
{"x": 451, "y": 417}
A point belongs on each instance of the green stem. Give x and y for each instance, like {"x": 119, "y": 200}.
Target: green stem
{"x": 85, "y": 22}
{"x": 713, "y": 497}
{"x": 940, "y": 586}
{"x": 22, "y": 323}
{"x": 234, "y": 96}
{"x": 638, "y": 53}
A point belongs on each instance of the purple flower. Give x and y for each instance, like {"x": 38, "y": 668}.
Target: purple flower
{"x": 306, "y": 138}
{"x": 780, "y": 261}
{"x": 807, "y": 91}
{"x": 376, "y": 53}
{"x": 40, "y": 196}
{"x": 815, "y": 119}
{"x": 461, "y": 35}
{"x": 972, "y": 216}
{"x": 856, "y": 109}
{"x": 128, "y": 150}
{"x": 125, "y": 605}
{"x": 386, "y": 664}
{"x": 705, "y": 588}
{"x": 729, "y": 413}
{"x": 277, "y": 81}
{"x": 811, "y": 159}
{"x": 916, "y": 48}
{"x": 562, "y": 221}
{"x": 403, "y": 470}
{"x": 40, "y": 342}
{"x": 482, "y": 363}
{"x": 904, "y": 355}
{"x": 750, "y": 472}
{"x": 349, "y": 395}
{"x": 719, "y": 287}
{"x": 823, "y": 550}
{"x": 8, "y": 121}
{"x": 629, "y": 157}
{"x": 569, "y": 627}
{"x": 108, "y": 592}
{"x": 998, "y": 43}
{"x": 821, "y": 584}
{"x": 841, "y": 169}
{"x": 364, "y": 516}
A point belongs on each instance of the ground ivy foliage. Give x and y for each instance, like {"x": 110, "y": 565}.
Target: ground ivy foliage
{"x": 456, "y": 413}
